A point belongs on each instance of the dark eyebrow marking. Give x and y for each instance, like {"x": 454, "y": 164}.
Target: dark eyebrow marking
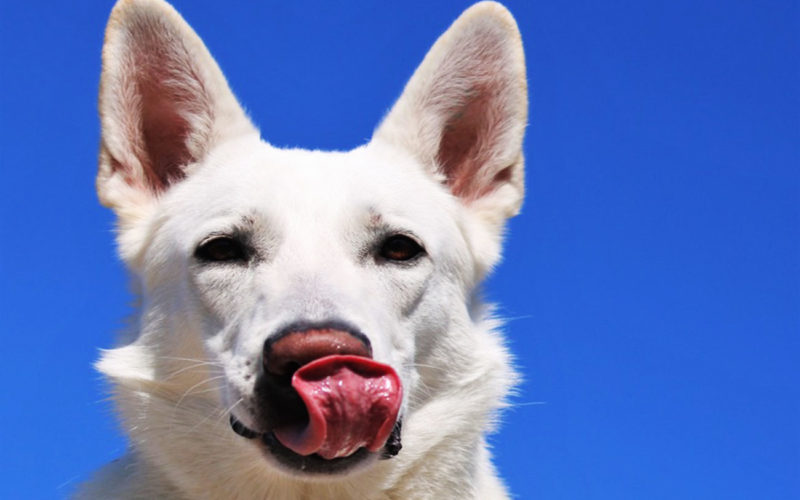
{"x": 375, "y": 218}
{"x": 248, "y": 219}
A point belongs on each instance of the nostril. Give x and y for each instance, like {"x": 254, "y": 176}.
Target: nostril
{"x": 284, "y": 355}
{"x": 273, "y": 365}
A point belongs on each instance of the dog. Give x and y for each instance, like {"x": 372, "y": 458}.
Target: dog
{"x": 309, "y": 323}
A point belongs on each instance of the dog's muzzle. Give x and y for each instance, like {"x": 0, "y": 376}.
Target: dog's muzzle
{"x": 321, "y": 397}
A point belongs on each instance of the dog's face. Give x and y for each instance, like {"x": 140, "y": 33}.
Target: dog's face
{"x": 274, "y": 243}
{"x": 311, "y": 297}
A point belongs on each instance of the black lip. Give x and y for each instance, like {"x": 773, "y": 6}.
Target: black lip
{"x": 240, "y": 429}
{"x": 393, "y": 444}
{"x": 315, "y": 464}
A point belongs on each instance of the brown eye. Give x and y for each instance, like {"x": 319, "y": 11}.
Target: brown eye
{"x": 400, "y": 248}
{"x": 221, "y": 249}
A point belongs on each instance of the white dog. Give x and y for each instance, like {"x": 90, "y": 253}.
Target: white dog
{"x": 310, "y": 324}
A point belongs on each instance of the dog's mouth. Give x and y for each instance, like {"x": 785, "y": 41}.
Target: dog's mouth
{"x": 314, "y": 463}
{"x": 330, "y": 414}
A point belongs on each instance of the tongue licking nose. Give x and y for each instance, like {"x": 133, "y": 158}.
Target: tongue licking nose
{"x": 351, "y": 400}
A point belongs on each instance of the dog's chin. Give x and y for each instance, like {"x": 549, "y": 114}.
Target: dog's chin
{"x": 314, "y": 465}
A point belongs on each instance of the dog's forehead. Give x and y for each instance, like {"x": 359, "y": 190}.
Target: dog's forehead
{"x": 296, "y": 183}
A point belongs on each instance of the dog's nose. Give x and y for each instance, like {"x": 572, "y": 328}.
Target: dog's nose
{"x": 288, "y": 352}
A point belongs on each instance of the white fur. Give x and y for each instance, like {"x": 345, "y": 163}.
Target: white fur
{"x": 180, "y": 161}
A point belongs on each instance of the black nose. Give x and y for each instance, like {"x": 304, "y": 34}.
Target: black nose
{"x": 298, "y": 345}
{"x": 277, "y": 403}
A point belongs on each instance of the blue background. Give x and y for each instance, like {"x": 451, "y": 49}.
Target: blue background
{"x": 651, "y": 283}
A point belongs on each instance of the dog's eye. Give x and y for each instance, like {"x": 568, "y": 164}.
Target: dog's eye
{"x": 221, "y": 249}
{"x": 400, "y": 248}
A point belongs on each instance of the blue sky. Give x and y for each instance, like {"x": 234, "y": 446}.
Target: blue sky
{"x": 652, "y": 281}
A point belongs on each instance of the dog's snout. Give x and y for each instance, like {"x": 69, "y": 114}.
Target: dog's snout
{"x": 284, "y": 355}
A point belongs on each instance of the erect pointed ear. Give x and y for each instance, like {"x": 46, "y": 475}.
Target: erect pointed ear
{"x": 464, "y": 111}
{"x": 164, "y": 104}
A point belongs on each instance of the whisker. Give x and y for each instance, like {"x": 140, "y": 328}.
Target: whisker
{"x": 176, "y": 358}
{"x": 432, "y": 367}
{"x": 190, "y": 389}
{"x": 194, "y": 366}
{"x": 218, "y": 419}
{"x": 527, "y": 403}
{"x": 230, "y": 409}
{"x": 509, "y": 319}
{"x": 205, "y": 391}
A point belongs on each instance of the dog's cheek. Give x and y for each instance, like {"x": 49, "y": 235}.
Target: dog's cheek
{"x": 218, "y": 291}
{"x": 404, "y": 286}
{"x": 223, "y": 306}
{"x": 440, "y": 310}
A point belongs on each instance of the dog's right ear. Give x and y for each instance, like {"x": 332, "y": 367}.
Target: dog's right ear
{"x": 164, "y": 103}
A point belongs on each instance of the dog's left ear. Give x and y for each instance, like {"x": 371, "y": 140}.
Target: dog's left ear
{"x": 464, "y": 111}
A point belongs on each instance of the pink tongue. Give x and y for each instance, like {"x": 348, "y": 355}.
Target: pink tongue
{"x": 352, "y": 402}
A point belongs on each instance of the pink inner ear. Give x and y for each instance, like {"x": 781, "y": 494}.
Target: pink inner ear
{"x": 466, "y": 145}
{"x": 164, "y": 133}
{"x": 165, "y": 108}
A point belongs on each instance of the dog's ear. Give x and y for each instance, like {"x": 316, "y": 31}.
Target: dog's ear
{"x": 163, "y": 104}
{"x": 464, "y": 111}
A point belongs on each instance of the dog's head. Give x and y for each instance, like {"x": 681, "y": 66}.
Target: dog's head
{"x": 303, "y": 304}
